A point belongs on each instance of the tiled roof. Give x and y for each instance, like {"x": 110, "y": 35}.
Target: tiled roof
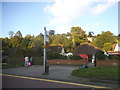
{"x": 85, "y": 48}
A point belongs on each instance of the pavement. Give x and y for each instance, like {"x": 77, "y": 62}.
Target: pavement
{"x": 58, "y": 72}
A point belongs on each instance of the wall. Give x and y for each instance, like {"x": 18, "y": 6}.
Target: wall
{"x": 67, "y": 62}
{"x": 99, "y": 63}
{"x": 107, "y": 63}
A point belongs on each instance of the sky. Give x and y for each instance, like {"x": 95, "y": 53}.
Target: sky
{"x": 60, "y": 15}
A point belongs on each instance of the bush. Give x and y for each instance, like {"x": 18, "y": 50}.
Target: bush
{"x": 37, "y": 60}
{"x": 19, "y": 61}
{"x": 4, "y": 59}
{"x": 15, "y": 61}
{"x": 55, "y": 55}
{"x": 16, "y": 52}
{"x": 100, "y": 55}
{"x": 114, "y": 57}
{"x": 38, "y": 51}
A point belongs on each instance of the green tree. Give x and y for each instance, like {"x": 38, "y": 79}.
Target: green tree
{"x": 28, "y": 36}
{"x": 90, "y": 34}
{"x": 78, "y": 36}
{"x": 105, "y": 37}
{"x": 11, "y": 33}
{"x": 52, "y": 32}
{"x": 19, "y": 34}
{"x": 107, "y": 47}
{"x": 24, "y": 43}
{"x": 5, "y": 44}
{"x": 15, "y": 41}
{"x": 56, "y": 40}
{"x": 40, "y": 35}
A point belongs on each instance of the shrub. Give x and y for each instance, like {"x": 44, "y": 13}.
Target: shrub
{"x": 15, "y": 61}
{"x": 55, "y": 55}
{"x": 75, "y": 57}
{"x": 114, "y": 57}
{"x": 4, "y": 59}
{"x": 100, "y": 55}
{"x": 16, "y": 52}
{"x": 38, "y": 51}
{"x": 37, "y": 60}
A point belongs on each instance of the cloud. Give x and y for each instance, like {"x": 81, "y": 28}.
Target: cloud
{"x": 66, "y": 12}
{"x": 102, "y": 6}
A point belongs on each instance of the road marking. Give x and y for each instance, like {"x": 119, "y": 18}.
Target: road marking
{"x": 54, "y": 81}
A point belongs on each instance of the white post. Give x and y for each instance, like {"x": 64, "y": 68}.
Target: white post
{"x": 93, "y": 58}
{"x": 44, "y": 62}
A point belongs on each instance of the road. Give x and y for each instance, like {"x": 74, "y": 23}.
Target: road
{"x": 11, "y": 81}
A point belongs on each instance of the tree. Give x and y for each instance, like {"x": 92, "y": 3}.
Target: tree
{"x": 19, "y": 34}
{"x": 51, "y": 32}
{"x": 78, "y": 36}
{"x": 5, "y": 44}
{"x": 105, "y": 37}
{"x": 15, "y": 41}
{"x": 28, "y": 36}
{"x": 90, "y": 34}
{"x": 11, "y": 33}
{"x": 40, "y": 35}
{"x": 107, "y": 47}
{"x": 24, "y": 43}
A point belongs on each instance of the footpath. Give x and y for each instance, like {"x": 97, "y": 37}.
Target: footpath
{"x": 58, "y": 72}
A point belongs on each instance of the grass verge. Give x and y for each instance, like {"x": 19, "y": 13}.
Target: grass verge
{"x": 97, "y": 73}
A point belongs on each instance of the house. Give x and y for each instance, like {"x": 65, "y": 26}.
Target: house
{"x": 90, "y": 39}
{"x": 116, "y": 49}
{"x": 86, "y": 50}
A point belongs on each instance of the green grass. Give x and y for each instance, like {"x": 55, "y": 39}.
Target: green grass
{"x": 98, "y": 73}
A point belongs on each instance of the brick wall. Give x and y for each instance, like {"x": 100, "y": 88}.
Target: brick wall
{"x": 67, "y": 62}
{"x": 107, "y": 63}
{"x": 99, "y": 63}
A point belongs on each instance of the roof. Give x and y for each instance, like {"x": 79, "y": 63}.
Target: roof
{"x": 117, "y": 47}
{"x": 113, "y": 51}
{"x": 83, "y": 56}
{"x": 85, "y": 48}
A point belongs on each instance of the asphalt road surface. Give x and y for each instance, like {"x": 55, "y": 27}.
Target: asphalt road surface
{"x": 27, "y": 82}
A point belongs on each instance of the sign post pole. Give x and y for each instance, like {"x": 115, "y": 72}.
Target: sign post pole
{"x": 45, "y": 47}
{"x": 45, "y": 63}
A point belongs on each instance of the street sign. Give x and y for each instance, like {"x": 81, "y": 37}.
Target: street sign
{"x": 44, "y": 46}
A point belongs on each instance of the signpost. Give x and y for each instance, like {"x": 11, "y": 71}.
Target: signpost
{"x": 45, "y": 63}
